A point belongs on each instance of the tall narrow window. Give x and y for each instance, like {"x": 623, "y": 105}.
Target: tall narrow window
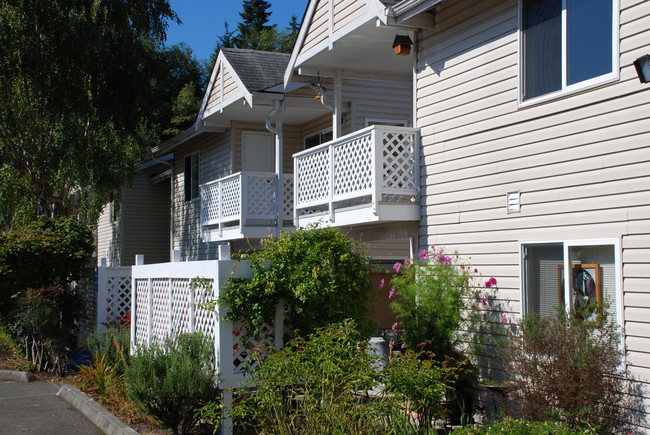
{"x": 565, "y": 43}
{"x": 191, "y": 178}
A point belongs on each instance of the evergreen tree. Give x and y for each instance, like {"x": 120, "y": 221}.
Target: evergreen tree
{"x": 252, "y": 31}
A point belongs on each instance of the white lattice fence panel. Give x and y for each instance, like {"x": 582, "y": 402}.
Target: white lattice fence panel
{"x": 248, "y": 349}
{"x": 142, "y": 303}
{"x": 118, "y": 298}
{"x": 398, "y": 162}
{"x": 182, "y": 305}
{"x": 313, "y": 175}
{"x": 160, "y": 326}
{"x": 204, "y": 320}
{"x": 231, "y": 198}
{"x": 287, "y": 196}
{"x": 260, "y": 196}
{"x": 353, "y": 173}
{"x": 210, "y": 203}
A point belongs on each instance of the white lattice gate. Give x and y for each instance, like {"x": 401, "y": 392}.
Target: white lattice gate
{"x": 164, "y": 303}
{"x": 113, "y": 295}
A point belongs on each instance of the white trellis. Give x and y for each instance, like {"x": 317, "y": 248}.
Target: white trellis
{"x": 113, "y": 294}
{"x": 164, "y": 303}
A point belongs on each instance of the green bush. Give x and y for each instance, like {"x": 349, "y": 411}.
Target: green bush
{"x": 329, "y": 382}
{"x": 112, "y": 346}
{"x": 509, "y": 426}
{"x": 172, "y": 381}
{"x": 320, "y": 274}
{"x": 38, "y": 262}
{"x": 568, "y": 370}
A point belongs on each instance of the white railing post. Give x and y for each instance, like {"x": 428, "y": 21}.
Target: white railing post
{"x": 102, "y": 293}
{"x": 149, "y": 310}
{"x": 176, "y": 256}
{"x": 170, "y": 305}
{"x": 243, "y": 199}
{"x": 377, "y": 152}
{"x": 332, "y": 180}
{"x": 226, "y": 422}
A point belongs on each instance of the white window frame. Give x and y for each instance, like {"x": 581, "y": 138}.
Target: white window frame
{"x": 320, "y": 132}
{"x": 566, "y": 246}
{"x": 577, "y": 87}
{"x": 191, "y": 177}
{"x": 385, "y": 121}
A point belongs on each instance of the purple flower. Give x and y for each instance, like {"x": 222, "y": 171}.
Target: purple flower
{"x": 504, "y": 319}
{"x": 391, "y": 293}
{"x": 381, "y": 284}
{"x": 484, "y": 302}
{"x": 423, "y": 254}
{"x": 444, "y": 259}
{"x": 394, "y": 327}
{"x": 397, "y": 266}
{"x": 474, "y": 306}
{"x": 475, "y": 270}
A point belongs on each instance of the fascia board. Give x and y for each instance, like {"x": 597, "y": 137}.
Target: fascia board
{"x": 208, "y": 91}
{"x": 302, "y": 34}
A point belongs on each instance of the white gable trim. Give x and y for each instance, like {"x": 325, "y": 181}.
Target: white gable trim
{"x": 222, "y": 65}
{"x": 375, "y": 10}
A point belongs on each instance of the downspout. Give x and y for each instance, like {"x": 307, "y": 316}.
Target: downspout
{"x": 278, "y": 106}
{"x": 171, "y": 205}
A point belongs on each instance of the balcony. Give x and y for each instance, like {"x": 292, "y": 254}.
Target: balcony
{"x": 369, "y": 176}
{"x": 243, "y": 205}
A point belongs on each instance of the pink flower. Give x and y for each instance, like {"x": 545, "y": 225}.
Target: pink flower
{"x": 391, "y": 293}
{"x": 484, "y": 302}
{"x": 462, "y": 267}
{"x": 474, "y": 306}
{"x": 403, "y": 346}
{"x": 394, "y": 327}
{"x": 504, "y": 319}
{"x": 397, "y": 266}
{"x": 475, "y": 270}
{"x": 491, "y": 282}
{"x": 381, "y": 284}
{"x": 444, "y": 259}
{"x": 423, "y": 254}
{"x": 407, "y": 262}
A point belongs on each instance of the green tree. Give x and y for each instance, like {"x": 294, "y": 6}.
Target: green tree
{"x": 254, "y": 23}
{"x": 76, "y": 83}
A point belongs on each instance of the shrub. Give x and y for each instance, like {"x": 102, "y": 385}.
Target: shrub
{"x": 112, "y": 346}
{"x": 172, "y": 381}
{"x": 329, "y": 382}
{"x": 517, "y": 427}
{"x": 568, "y": 370}
{"x": 37, "y": 263}
{"x": 320, "y": 275}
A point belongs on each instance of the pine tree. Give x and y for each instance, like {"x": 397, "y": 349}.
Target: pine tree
{"x": 253, "y": 31}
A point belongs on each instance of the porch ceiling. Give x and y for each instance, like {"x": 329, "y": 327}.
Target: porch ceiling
{"x": 297, "y": 110}
{"x": 368, "y": 49}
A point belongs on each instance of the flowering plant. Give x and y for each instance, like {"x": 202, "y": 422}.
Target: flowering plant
{"x": 433, "y": 298}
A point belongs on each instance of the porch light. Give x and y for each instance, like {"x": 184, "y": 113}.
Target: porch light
{"x": 319, "y": 94}
{"x": 402, "y": 45}
{"x": 642, "y": 66}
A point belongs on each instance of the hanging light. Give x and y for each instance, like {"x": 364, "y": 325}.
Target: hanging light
{"x": 402, "y": 45}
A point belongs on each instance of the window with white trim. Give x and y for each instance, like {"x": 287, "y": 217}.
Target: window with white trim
{"x": 191, "y": 177}
{"x": 318, "y": 138}
{"x": 581, "y": 275}
{"x": 566, "y": 45}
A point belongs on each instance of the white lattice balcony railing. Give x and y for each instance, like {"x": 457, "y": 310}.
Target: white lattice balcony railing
{"x": 367, "y": 176}
{"x": 242, "y": 201}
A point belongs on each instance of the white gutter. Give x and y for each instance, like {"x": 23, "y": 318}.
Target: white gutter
{"x": 278, "y": 105}
{"x": 409, "y": 8}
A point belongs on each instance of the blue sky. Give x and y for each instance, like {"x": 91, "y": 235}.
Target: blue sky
{"x": 203, "y": 20}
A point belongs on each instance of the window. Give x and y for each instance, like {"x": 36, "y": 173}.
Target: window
{"x": 318, "y": 138}
{"x": 588, "y": 285}
{"x": 566, "y": 44}
{"x": 191, "y": 178}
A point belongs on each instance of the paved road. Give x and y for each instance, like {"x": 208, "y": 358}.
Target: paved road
{"x": 34, "y": 408}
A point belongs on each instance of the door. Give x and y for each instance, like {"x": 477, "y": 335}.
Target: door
{"x": 258, "y": 152}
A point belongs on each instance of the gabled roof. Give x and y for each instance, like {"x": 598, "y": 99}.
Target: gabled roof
{"x": 332, "y": 25}
{"x": 238, "y": 73}
{"x": 258, "y": 70}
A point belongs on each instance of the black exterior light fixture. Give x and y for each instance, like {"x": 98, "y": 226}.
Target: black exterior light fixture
{"x": 642, "y": 66}
{"x": 402, "y": 45}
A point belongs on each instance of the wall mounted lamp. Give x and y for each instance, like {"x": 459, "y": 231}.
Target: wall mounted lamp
{"x": 402, "y": 45}
{"x": 642, "y": 66}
